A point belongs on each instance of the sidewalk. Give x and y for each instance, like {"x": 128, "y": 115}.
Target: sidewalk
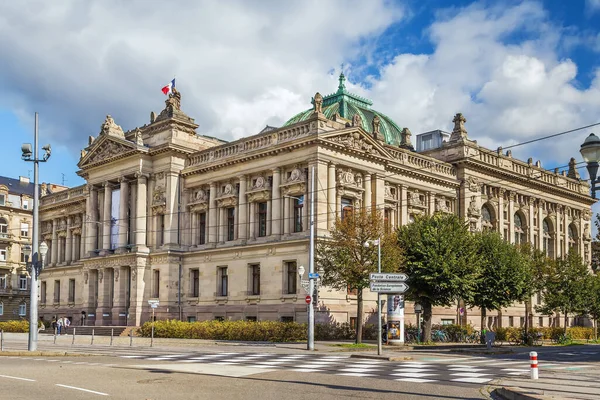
{"x": 551, "y": 386}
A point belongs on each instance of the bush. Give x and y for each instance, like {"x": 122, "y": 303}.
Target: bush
{"x": 265, "y": 331}
{"x": 581, "y": 332}
{"x": 21, "y": 326}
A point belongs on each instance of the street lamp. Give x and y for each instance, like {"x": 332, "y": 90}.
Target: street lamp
{"x": 35, "y": 266}
{"x": 590, "y": 151}
{"x": 378, "y": 243}
{"x": 37, "y": 249}
{"x": 418, "y": 311}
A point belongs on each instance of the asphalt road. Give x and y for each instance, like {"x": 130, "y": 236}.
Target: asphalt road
{"x": 89, "y": 377}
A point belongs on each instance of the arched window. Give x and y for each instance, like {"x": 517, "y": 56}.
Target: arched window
{"x": 3, "y": 228}
{"x": 486, "y": 218}
{"x": 548, "y": 238}
{"x": 519, "y": 229}
{"x": 573, "y": 239}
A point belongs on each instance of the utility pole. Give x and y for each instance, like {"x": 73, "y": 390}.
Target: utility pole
{"x": 311, "y": 265}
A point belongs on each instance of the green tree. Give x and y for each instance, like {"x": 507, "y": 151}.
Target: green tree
{"x": 442, "y": 262}
{"x": 503, "y": 276}
{"x": 565, "y": 287}
{"x": 538, "y": 266}
{"x": 592, "y": 300}
{"x": 347, "y": 262}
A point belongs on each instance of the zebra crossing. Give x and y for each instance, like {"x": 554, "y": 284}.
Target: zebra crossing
{"x": 463, "y": 370}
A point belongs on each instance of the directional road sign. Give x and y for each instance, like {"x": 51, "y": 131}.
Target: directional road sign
{"x": 388, "y": 277}
{"x": 389, "y": 287}
{"x": 313, "y": 276}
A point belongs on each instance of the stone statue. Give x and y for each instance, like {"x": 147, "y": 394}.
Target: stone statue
{"x": 459, "y": 132}
{"x": 318, "y": 100}
{"x": 152, "y": 116}
{"x": 376, "y": 127}
{"x": 138, "y": 137}
{"x": 356, "y": 120}
{"x": 82, "y": 153}
{"x": 109, "y": 127}
{"x": 91, "y": 140}
{"x": 573, "y": 173}
{"x": 174, "y": 100}
{"x": 44, "y": 189}
{"x": 405, "y": 141}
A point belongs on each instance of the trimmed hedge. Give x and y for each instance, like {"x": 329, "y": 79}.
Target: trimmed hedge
{"x": 548, "y": 332}
{"x": 261, "y": 331}
{"x": 15, "y": 326}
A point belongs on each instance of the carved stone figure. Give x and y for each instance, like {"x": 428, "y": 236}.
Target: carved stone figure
{"x": 133, "y": 274}
{"x": 473, "y": 209}
{"x": 346, "y": 177}
{"x": 199, "y": 195}
{"x": 109, "y": 127}
{"x": 85, "y": 277}
{"x": 356, "y": 120}
{"x": 44, "y": 189}
{"x": 107, "y": 150}
{"x": 359, "y": 180}
{"x": 228, "y": 189}
{"x": 116, "y": 272}
{"x": 354, "y": 141}
{"x": 573, "y": 173}
{"x": 318, "y": 103}
{"x": 138, "y": 137}
{"x": 388, "y": 191}
{"x": 377, "y": 128}
{"x": 473, "y": 184}
{"x": 406, "y": 141}
{"x": 91, "y": 140}
{"x": 441, "y": 205}
{"x": 415, "y": 199}
{"x": 82, "y": 153}
{"x": 459, "y": 131}
{"x": 174, "y": 100}
{"x": 158, "y": 197}
{"x": 100, "y": 275}
{"x": 259, "y": 183}
{"x": 295, "y": 175}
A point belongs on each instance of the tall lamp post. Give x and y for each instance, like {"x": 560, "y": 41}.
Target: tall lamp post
{"x": 378, "y": 243}
{"x": 28, "y": 155}
{"x": 590, "y": 151}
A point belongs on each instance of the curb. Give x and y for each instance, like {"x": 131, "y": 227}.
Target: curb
{"x": 516, "y": 393}
{"x": 42, "y": 354}
{"x": 380, "y": 357}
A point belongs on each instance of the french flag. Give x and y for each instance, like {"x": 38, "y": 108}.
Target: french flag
{"x": 168, "y": 88}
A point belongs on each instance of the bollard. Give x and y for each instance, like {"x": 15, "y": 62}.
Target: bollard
{"x": 112, "y": 332}
{"x": 54, "y": 335}
{"x": 131, "y": 338}
{"x": 534, "y": 364}
{"x": 2, "y": 340}
{"x": 92, "y": 337}
{"x": 73, "y": 342}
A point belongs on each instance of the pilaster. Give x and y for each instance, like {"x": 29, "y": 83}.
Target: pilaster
{"x": 141, "y": 215}
{"x": 242, "y": 220}
{"x": 276, "y": 203}
{"x": 106, "y": 216}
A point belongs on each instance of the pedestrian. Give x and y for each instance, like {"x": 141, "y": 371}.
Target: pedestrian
{"x": 67, "y": 323}
{"x": 54, "y": 324}
{"x": 59, "y": 325}
{"x": 41, "y": 326}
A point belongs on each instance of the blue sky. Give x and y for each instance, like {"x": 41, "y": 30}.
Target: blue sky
{"x": 516, "y": 69}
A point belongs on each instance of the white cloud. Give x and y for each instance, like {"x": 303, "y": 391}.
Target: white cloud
{"x": 593, "y": 5}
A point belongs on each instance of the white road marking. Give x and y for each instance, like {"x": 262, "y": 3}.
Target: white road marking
{"x": 357, "y": 370}
{"x": 355, "y": 374}
{"x": 472, "y": 380}
{"x": 17, "y": 378}
{"x": 469, "y": 374}
{"x": 412, "y": 374}
{"x": 467, "y": 369}
{"x": 413, "y": 369}
{"x": 305, "y": 370}
{"x": 82, "y": 389}
{"x": 416, "y": 380}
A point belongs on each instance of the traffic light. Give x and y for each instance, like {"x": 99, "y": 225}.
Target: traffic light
{"x": 315, "y": 297}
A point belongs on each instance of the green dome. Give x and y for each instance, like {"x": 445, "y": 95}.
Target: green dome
{"x": 347, "y": 105}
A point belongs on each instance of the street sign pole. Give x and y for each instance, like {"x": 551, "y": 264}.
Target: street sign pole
{"x": 379, "y": 344}
{"x": 152, "y": 335}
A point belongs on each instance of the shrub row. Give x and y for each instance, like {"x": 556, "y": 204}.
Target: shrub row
{"x": 267, "y": 331}
{"x": 15, "y": 326}
{"x": 548, "y": 332}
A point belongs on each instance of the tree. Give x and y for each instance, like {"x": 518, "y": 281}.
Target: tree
{"x": 565, "y": 286}
{"x": 503, "y": 276}
{"x": 347, "y": 262}
{"x": 592, "y": 300}
{"x": 538, "y": 266}
{"x": 442, "y": 262}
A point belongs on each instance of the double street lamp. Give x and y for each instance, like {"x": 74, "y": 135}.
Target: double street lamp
{"x": 379, "y": 333}
{"x": 590, "y": 151}
{"x": 37, "y": 251}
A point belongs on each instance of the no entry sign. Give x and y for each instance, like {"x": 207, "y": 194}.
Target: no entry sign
{"x": 308, "y": 299}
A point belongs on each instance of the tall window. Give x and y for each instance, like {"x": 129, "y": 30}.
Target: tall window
{"x": 262, "y": 219}
{"x": 43, "y": 292}
{"x": 387, "y": 220}
{"x": 3, "y": 281}
{"x": 24, "y": 229}
{"x": 56, "y": 291}
{"x": 222, "y": 282}
{"x": 2, "y": 254}
{"x": 231, "y": 223}
{"x": 548, "y": 239}
{"x": 202, "y": 228}
{"x": 156, "y": 283}
{"x": 22, "y": 282}
{"x": 3, "y": 227}
{"x": 347, "y": 207}
{"x": 195, "y": 280}
{"x": 291, "y": 272}
{"x": 255, "y": 279}
{"x": 519, "y": 229}
{"x": 22, "y": 310}
{"x": 486, "y": 218}
{"x": 161, "y": 230}
{"x": 1, "y": 308}
{"x": 71, "y": 290}
{"x": 573, "y": 242}
{"x": 298, "y": 206}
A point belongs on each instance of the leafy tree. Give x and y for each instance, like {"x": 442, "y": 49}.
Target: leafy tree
{"x": 538, "y": 266}
{"x": 503, "y": 276}
{"x": 565, "y": 286}
{"x": 442, "y": 261}
{"x": 592, "y": 300}
{"x": 347, "y": 262}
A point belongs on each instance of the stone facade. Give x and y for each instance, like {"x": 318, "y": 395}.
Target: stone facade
{"x": 217, "y": 230}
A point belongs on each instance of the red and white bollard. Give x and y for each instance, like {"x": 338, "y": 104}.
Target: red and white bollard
{"x": 534, "y": 364}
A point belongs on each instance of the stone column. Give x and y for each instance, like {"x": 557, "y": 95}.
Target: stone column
{"x": 531, "y": 224}
{"x": 541, "y": 223}
{"x": 287, "y": 212}
{"x": 89, "y": 222}
{"x": 55, "y": 244}
{"x": 276, "y": 203}
{"x": 106, "y": 217}
{"x": 141, "y": 213}
{"x": 69, "y": 242}
{"x": 123, "y": 214}
{"x": 331, "y": 197}
{"x": 223, "y": 224}
{"x": 378, "y": 181}
{"x": 500, "y": 217}
{"x": 306, "y": 207}
{"x": 511, "y": 217}
{"x": 566, "y": 232}
{"x": 171, "y": 234}
{"x": 557, "y": 233}
{"x": 212, "y": 214}
{"x": 252, "y": 217}
{"x": 431, "y": 204}
{"x": 403, "y": 190}
{"x": 368, "y": 200}
{"x": 132, "y": 211}
{"x": 194, "y": 228}
{"x": 242, "y": 221}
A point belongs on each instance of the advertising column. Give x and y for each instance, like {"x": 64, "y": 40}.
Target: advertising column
{"x": 395, "y": 320}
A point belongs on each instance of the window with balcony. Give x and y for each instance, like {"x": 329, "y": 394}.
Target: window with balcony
{"x": 254, "y": 289}
{"x": 298, "y": 207}
{"x": 3, "y": 228}
{"x": 195, "y": 282}
{"x": 43, "y": 292}
{"x": 231, "y": 223}
{"x": 291, "y": 277}
{"x": 347, "y": 207}
{"x": 262, "y": 219}
{"x": 22, "y": 282}
{"x": 222, "y": 283}
{"x": 71, "y": 290}
{"x": 24, "y": 229}
{"x": 202, "y": 228}
{"x": 22, "y": 310}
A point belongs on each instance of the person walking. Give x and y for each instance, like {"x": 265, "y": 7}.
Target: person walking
{"x": 67, "y": 324}
{"x": 54, "y": 324}
{"x": 59, "y": 325}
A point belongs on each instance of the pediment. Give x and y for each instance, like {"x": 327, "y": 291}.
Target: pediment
{"x": 357, "y": 140}
{"x": 104, "y": 149}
